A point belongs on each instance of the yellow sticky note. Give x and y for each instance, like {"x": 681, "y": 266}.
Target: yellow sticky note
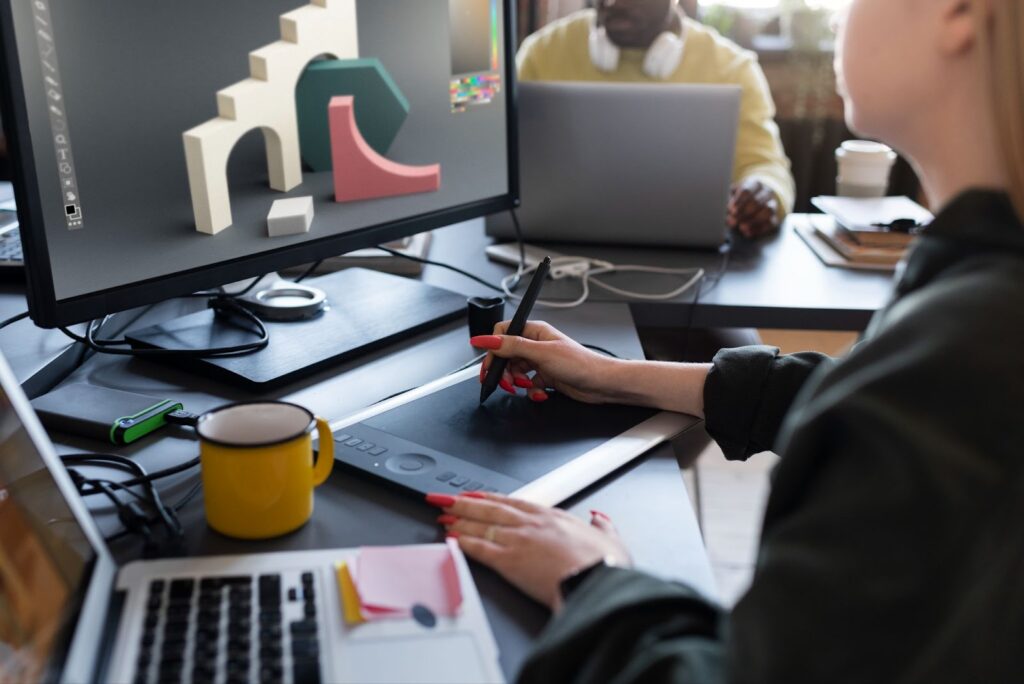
{"x": 349, "y": 596}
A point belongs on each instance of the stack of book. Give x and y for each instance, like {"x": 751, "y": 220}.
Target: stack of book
{"x": 871, "y": 234}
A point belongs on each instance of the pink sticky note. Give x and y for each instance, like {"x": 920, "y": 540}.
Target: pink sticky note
{"x": 391, "y": 580}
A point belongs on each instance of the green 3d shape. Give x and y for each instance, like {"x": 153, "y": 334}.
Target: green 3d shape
{"x": 381, "y": 109}
{"x": 266, "y": 101}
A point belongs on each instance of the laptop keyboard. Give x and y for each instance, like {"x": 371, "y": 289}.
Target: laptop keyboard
{"x": 10, "y": 247}
{"x": 260, "y": 628}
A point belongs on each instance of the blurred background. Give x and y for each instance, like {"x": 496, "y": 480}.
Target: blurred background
{"x": 794, "y": 41}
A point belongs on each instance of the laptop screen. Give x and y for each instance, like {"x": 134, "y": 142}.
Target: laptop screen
{"x": 45, "y": 557}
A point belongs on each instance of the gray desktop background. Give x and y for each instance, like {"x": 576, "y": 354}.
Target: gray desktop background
{"x": 138, "y": 73}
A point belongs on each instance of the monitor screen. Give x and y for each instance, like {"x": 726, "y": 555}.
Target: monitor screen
{"x": 156, "y": 140}
{"x": 45, "y": 557}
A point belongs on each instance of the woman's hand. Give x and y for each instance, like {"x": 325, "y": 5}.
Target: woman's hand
{"x": 559, "y": 363}
{"x": 531, "y": 546}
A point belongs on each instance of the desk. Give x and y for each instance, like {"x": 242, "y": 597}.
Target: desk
{"x": 776, "y": 282}
{"x": 647, "y": 499}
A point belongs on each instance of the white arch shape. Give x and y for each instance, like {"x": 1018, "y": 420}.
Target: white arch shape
{"x": 266, "y": 100}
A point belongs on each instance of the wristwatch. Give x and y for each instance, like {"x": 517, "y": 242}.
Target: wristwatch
{"x": 574, "y": 579}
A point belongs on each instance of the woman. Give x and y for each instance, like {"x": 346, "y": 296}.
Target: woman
{"x": 892, "y": 547}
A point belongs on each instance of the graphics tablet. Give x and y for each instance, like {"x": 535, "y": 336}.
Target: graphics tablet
{"x": 439, "y": 438}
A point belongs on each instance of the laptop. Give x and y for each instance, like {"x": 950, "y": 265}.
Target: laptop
{"x": 67, "y": 613}
{"x": 630, "y": 164}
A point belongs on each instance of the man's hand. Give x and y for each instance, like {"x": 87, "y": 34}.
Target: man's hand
{"x": 753, "y": 209}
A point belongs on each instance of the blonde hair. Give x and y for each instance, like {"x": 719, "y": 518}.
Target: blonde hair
{"x": 1005, "y": 50}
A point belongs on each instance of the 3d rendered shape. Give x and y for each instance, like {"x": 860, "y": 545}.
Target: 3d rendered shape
{"x": 292, "y": 216}
{"x": 381, "y": 108}
{"x": 265, "y": 101}
{"x": 359, "y": 172}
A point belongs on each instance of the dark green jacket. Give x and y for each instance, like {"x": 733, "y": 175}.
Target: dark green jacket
{"x": 893, "y": 543}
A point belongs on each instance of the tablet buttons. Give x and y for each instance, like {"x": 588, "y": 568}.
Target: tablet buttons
{"x": 409, "y": 464}
{"x": 445, "y": 476}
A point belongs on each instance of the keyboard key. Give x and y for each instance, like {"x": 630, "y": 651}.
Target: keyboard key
{"x": 306, "y": 671}
{"x": 309, "y": 609}
{"x": 211, "y": 584}
{"x": 458, "y": 481}
{"x": 378, "y": 451}
{"x": 445, "y": 476}
{"x": 156, "y": 587}
{"x": 151, "y": 620}
{"x": 148, "y": 638}
{"x": 154, "y": 603}
{"x": 303, "y": 627}
{"x": 270, "y": 617}
{"x": 307, "y": 579}
{"x": 293, "y": 595}
{"x": 182, "y": 588}
{"x": 271, "y": 652}
{"x": 271, "y": 632}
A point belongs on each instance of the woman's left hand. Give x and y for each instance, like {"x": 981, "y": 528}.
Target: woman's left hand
{"x": 531, "y": 546}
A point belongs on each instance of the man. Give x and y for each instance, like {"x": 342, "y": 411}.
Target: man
{"x": 626, "y": 41}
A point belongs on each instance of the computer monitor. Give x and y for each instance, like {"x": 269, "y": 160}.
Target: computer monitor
{"x": 152, "y": 140}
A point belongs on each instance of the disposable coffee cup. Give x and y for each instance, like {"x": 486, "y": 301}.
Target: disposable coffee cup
{"x": 864, "y": 168}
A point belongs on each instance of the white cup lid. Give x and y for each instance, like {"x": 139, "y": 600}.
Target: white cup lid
{"x": 865, "y": 151}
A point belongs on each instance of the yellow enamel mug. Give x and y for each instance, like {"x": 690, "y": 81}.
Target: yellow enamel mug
{"x": 257, "y": 466}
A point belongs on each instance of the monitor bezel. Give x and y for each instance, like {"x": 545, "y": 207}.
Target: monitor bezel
{"x": 47, "y": 311}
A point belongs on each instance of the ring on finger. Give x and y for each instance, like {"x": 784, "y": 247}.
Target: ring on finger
{"x": 490, "y": 533}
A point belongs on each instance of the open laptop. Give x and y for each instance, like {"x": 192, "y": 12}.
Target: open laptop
{"x": 253, "y": 618}
{"x": 628, "y": 164}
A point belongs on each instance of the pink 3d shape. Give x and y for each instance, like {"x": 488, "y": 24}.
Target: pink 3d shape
{"x": 359, "y": 172}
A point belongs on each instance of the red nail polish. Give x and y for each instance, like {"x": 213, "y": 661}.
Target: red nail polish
{"x": 452, "y": 535}
{"x": 447, "y": 519}
{"x": 599, "y": 514}
{"x": 483, "y": 373}
{"x": 440, "y": 500}
{"x": 490, "y": 342}
{"x": 474, "y": 495}
{"x": 507, "y": 386}
{"x": 524, "y": 382}
{"x": 539, "y": 397}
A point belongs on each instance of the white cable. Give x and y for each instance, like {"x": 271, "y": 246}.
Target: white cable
{"x": 587, "y": 269}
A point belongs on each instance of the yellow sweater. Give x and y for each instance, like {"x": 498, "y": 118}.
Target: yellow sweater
{"x": 560, "y": 52}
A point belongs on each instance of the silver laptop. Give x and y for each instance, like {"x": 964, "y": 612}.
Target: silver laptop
{"x": 629, "y": 164}
{"x": 254, "y": 618}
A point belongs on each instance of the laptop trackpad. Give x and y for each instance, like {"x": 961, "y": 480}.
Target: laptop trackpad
{"x": 429, "y": 659}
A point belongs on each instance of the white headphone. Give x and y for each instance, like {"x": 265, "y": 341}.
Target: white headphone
{"x": 660, "y": 62}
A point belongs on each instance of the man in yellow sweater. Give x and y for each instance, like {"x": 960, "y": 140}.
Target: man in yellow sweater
{"x": 653, "y": 41}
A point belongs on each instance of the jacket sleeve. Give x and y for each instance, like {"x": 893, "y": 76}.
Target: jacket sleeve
{"x": 759, "y": 153}
{"x": 749, "y": 392}
{"x": 623, "y": 626}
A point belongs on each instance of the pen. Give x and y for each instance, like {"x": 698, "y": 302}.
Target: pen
{"x": 516, "y": 327}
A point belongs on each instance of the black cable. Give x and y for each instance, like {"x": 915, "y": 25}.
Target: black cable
{"x": 440, "y": 264}
{"x": 522, "y": 249}
{"x": 13, "y": 319}
{"x": 726, "y": 251}
{"x": 309, "y": 271}
{"x": 220, "y": 293}
{"x": 151, "y": 477}
{"x": 225, "y": 305}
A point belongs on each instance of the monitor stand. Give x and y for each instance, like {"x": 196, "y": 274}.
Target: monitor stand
{"x": 365, "y": 310}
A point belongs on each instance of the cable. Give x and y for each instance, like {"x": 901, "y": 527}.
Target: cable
{"x": 14, "y": 319}
{"x": 221, "y": 305}
{"x": 439, "y": 264}
{"x": 220, "y": 293}
{"x": 726, "y": 252}
{"x": 602, "y": 350}
{"x": 586, "y": 269}
{"x": 309, "y": 271}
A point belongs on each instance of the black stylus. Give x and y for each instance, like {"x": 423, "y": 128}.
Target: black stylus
{"x": 516, "y": 327}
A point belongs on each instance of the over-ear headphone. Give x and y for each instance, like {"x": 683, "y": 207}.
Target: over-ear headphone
{"x": 660, "y": 62}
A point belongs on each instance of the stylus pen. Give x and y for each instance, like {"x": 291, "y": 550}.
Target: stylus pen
{"x": 516, "y": 328}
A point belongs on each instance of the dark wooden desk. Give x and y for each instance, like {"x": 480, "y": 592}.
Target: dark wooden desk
{"x": 647, "y": 499}
{"x": 776, "y": 282}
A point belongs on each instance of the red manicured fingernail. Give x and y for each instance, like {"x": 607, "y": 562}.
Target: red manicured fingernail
{"x": 491, "y": 342}
{"x": 507, "y": 386}
{"x": 483, "y": 373}
{"x": 452, "y": 535}
{"x": 539, "y": 396}
{"x": 599, "y": 514}
{"x": 440, "y": 500}
{"x": 447, "y": 519}
{"x": 523, "y": 381}
{"x": 474, "y": 495}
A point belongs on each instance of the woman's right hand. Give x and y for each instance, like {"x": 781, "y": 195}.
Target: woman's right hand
{"x": 558, "y": 362}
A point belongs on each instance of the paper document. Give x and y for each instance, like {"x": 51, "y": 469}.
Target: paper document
{"x": 863, "y": 213}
